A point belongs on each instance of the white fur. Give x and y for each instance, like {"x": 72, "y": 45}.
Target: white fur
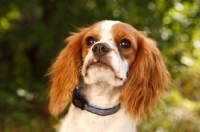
{"x": 105, "y": 30}
{"x": 83, "y": 121}
{"x": 78, "y": 120}
{"x": 101, "y": 89}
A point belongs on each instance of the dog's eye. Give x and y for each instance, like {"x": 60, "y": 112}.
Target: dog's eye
{"x": 125, "y": 43}
{"x": 90, "y": 41}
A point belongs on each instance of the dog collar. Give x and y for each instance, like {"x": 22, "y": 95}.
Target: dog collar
{"x": 79, "y": 101}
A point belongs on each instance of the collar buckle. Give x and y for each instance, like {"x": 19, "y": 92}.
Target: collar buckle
{"x": 78, "y": 99}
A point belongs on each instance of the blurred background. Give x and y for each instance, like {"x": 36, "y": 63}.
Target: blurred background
{"x": 32, "y": 33}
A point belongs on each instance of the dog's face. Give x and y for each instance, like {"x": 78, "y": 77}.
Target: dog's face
{"x": 115, "y": 53}
{"x": 109, "y": 50}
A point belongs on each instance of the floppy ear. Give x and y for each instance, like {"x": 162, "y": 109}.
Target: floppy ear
{"x": 147, "y": 79}
{"x": 64, "y": 74}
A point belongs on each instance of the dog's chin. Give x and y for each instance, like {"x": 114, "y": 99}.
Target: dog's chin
{"x": 101, "y": 73}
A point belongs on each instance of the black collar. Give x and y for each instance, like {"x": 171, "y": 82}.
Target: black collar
{"x": 80, "y": 102}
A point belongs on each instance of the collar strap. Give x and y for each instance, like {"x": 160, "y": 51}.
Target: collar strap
{"x": 80, "y": 102}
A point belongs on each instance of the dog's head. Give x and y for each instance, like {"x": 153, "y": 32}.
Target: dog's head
{"x": 114, "y": 53}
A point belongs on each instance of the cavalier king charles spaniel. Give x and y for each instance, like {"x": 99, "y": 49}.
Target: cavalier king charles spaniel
{"x": 123, "y": 77}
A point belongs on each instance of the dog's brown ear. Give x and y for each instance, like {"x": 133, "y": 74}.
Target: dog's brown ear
{"x": 147, "y": 79}
{"x": 64, "y": 73}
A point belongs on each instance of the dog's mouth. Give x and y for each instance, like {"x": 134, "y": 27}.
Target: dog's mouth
{"x": 101, "y": 65}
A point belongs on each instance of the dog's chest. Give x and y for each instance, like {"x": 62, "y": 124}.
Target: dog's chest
{"x": 78, "y": 120}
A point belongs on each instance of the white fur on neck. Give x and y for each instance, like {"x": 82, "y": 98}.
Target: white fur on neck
{"x": 101, "y": 95}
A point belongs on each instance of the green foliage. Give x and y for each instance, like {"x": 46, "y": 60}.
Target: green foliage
{"x": 33, "y": 32}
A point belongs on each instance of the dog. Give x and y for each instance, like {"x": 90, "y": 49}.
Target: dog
{"x": 123, "y": 76}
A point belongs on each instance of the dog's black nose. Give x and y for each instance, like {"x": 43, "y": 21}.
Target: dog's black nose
{"x": 100, "y": 49}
